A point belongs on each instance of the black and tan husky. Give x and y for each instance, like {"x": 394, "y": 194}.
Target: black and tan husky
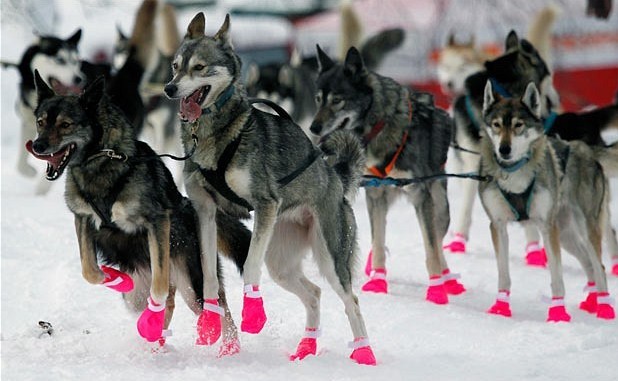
{"x": 130, "y": 215}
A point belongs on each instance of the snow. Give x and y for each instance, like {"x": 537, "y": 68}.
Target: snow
{"x": 95, "y": 337}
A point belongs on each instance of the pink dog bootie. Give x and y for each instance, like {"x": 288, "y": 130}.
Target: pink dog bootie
{"x": 436, "y": 293}
{"x": 557, "y": 312}
{"x": 308, "y": 344}
{"x": 590, "y": 304}
{"x": 253, "y": 315}
{"x": 457, "y": 244}
{"x": 605, "y": 310}
{"x": 116, "y": 280}
{"x": 209, "y": 323}
{"x": 615, "y": 266}
{"x": 451, "y": 285}
{"x": 502, "y": 305}
{"x": 362, "y": 353}
{"x": 377, "y": 283}
{"x": 369, "y": 263}
{"x": 150, "y": 322}
{"x": 535, "y": 255}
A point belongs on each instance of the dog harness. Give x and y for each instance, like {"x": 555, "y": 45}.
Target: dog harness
{"x": 385, "y": 169}
{"x": 520, "y": 202}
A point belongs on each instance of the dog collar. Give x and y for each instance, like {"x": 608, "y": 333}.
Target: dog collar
{"x": 515, "y": 166}
{"x": 221, "y": 100}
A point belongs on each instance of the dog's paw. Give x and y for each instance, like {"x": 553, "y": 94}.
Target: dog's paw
{"x": 500, "y": 308}
{"x": 436, "y": 293}
{"x": 557, "y": 314}
{"x": 209, "y": 323}
{"x": 229, "y": 347}
{"x": 451, "y": 284}
{"x": 307, "y": 346}
{"x": 457, "y": 244}
{"x": 116, "y": 280}
{"x": 150, "y": 322}
{"x": 615, "y": 266}
{"x": 253, "y": 315}
{"x": 605, "y": 310}
{"x": 535, "y": 255}
{"x": 377, "y": 283}
{"x": 362, "y": 353}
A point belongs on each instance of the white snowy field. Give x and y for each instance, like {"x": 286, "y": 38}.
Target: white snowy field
{"x": 95, "y": 336}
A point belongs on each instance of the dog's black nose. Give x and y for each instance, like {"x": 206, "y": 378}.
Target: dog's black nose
{"x": 77, "y": 80}
{"x": 505, "y": 150}
{"x": 170, "y": 89}
{"x": 39, "y": 146}
{"x": 316, "y": 128}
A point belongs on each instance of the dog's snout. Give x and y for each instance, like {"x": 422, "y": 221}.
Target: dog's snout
{"x": 77, "y": 80}
{"x": 316, "y": 128}
{"x": 39, "y": 146}
{"x": 505, "y": 150}
{"x": 170, "y": 89}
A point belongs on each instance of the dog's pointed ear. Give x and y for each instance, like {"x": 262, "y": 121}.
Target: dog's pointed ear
{"x": 324, "y": 61}
{"x": 42, "y": 90}
{"x": 354, "y": 65}
{"x": 451, "y": 39}
{"x": 74, "y": 39}
{"x": 196, "y": 27}
{"x": 223, "y": 35}
{"x": 512, "y": 41}
{"x": 121, "y": 35}
{"x": 532, "y": 100}
{"x": 93, "y": 93}
{"x": 488, "y": 97}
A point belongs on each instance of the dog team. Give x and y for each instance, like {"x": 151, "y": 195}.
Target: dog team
{"x": 138, "y": 235}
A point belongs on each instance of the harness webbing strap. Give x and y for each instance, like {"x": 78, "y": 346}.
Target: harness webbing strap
{"x": 519, "y": 202}
{"x": 385, "y": 170}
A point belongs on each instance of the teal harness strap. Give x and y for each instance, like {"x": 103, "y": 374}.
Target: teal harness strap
{"x": 548, "y": 123}
{"x": 470, "y": 112}
{"x": 221, "y": 100}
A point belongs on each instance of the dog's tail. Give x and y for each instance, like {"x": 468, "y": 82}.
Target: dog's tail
{"x": 142, "y": 37}
{"x": 345, "y": 154}
{"x": 539, "y": 32}
{"x": 168, "y": 37}
{"x": 351, "y": 28}
{"x": 608, "y": 158}
{"x": 233, "y": 239}
{"x": 375, "y": 48}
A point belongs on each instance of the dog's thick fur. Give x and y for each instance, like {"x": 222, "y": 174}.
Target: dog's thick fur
{"x": 350, "y": 97}
{"x": 518, "y": 66}
{"x": 557, "y": 186}
{"x": 128, "y": 212}
{"x": 309, "y": 210}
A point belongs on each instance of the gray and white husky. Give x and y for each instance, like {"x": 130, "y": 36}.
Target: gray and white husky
{"x": 245, "y": 159}
{"x": 404, "y": 136}
{"x": 555, "y": 185}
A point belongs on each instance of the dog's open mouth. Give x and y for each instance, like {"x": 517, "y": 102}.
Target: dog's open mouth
{"x": 191, "y": 106}
{"x": 56, "y": 162}
{"x": 62, "y": 89}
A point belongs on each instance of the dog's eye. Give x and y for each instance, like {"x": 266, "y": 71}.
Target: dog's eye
{"x": 60, "y": 60}
{"x": 318, "y": 99}
{"x": 518, "y": 125}
{"x": 495, "y": 124}
{"x": 198, "y": 67}
{"x": 65, "y": 125}
{"x": 336, "y": 100}
{"x": 175, "y": 66}
{"x": 39, "y": 122}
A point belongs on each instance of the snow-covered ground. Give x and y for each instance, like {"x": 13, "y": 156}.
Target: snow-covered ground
{"x": 95, "y": 336}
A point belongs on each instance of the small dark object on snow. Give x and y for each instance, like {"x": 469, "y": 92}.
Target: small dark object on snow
{"x": 46, "y": 327}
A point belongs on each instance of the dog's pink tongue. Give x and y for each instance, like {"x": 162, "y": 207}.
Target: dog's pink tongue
{"x": 54, "y": 160}
{"x": 190, "y": 110}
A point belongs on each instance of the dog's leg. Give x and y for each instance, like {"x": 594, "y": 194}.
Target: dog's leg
{"x": 441, "y": 222}
{"x": 421, "y": 198}
{"x": 469, "y": 189}
{"x": 535, "y": 254}
{"x": 150, "y": 323}
{"x": 500, "y": 240}
{"x": 230, "y": 344}
{"x": 253, "y": 315}
{"x": 90, "y": 269}
{"x": 378, "y": 202}
{"x": 551, "y": 235}
{"x": 611, "y": 245}
{"x": 284, "y": 263}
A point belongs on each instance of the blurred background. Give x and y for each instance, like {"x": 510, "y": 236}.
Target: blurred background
{"x": 584, "y": 48}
